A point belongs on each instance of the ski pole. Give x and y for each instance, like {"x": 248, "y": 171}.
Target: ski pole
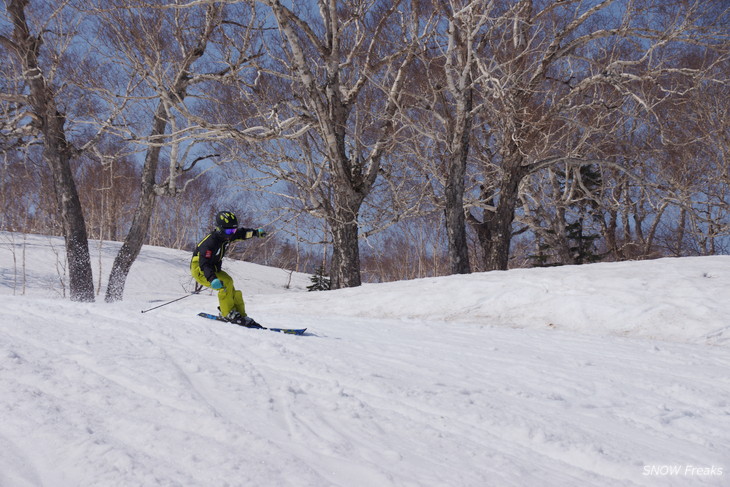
{"x": 198, "y": 288}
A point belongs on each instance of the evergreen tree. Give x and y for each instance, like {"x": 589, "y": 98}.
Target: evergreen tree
{"x": 320, "y": 281}
{"x": 583, "y": 245}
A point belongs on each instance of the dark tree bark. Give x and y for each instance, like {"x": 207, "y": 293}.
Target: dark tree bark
{"x": 57, "y": 151}
{"x": 142, "y": 215}
{"x": 345, "y": 270}
{"x": 495, "y": 231}
{"x": 458, "y": 247}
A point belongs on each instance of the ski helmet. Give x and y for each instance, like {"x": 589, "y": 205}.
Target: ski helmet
{"x": 225, "y": 219}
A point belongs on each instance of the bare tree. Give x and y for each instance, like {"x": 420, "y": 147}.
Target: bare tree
{"x": 546, "y": 69}
{"x": 659, "y": 145}
{"x": 443, "y": 105}
{"x": 38, "y": 100}
{"x": 159, "y": 48}
{"x": 341, "y": 74}
{"x": 691, "y": 153}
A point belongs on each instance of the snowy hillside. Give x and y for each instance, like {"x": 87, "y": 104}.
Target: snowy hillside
{"x": 607, "y": 375}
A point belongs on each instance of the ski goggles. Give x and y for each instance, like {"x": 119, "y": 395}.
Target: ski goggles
{"x": 230, "y": 231}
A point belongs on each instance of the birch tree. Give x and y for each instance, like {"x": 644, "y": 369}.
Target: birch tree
{"x": 543, "y": 70}
{"x": 341, "y": 72}
{"x": 658, "y": 159}
{"x": 443, "y": 105}
{"x": 40, "y": 47}
{"x": 690, "y": 151}
{"x": 155, "y": 49}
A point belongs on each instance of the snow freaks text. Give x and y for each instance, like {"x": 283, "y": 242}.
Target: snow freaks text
{"x": 682, "y": 471}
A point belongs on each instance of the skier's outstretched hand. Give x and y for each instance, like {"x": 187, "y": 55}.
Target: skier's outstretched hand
{"x": 216, "y": 284}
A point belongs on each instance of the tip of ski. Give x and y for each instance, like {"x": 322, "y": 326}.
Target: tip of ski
{"x": 289, "y": 331}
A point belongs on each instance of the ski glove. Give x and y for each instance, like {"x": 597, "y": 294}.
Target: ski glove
{"x": 216, "y": 284}
{"x": 260, "y": 232}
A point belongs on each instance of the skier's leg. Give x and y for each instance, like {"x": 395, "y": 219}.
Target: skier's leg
{"x": 226, "y": 296}
{"x": 235, "y": 295}
{"x": 238, "y": 300}
{"x": 197, "y": 272}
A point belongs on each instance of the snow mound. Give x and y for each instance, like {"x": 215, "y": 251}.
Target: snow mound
{"x": 609, "y": 374}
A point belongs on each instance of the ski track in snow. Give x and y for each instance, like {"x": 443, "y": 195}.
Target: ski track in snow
{"x": 102, "y": 395}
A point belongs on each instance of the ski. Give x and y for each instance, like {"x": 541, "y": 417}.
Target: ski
{"x": 289, "y": 331}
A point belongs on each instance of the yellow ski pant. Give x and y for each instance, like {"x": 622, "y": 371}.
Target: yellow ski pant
{"x": 228, "y": 297}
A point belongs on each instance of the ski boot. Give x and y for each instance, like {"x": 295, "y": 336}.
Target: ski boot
{"x": 236, "y": 318}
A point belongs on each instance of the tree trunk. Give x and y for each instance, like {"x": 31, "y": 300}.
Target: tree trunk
{"x": 57, "y": 152}
{"x": 458, "y": 249}
{"x": 454, "y": 192}
{"x": 681, "y": 230}
{"x": 561, "y": 240}
{"x": 497, "y": 255}
{"x": 345, "y": 270}
{"x": 495, "y": 232}
{"x": 81, "y": 279}
{"x": 609, "y": 234}
{"x": 130, "y": 249}
{"x": 142, "y": 215}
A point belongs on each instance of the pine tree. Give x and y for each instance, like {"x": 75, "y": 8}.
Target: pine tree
{"x": 583, "y": 246}
{"x": 320, "y": 281}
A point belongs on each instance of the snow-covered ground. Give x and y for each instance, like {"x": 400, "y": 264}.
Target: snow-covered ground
{"x": 608, "y": 374}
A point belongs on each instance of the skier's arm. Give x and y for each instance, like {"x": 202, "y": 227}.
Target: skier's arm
{"x": 246, "y": 233}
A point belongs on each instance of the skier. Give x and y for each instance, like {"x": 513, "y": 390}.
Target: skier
{"x": 206, "y": 266}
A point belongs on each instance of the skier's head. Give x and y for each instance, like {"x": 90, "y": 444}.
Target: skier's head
{"x": 226, "y": 223}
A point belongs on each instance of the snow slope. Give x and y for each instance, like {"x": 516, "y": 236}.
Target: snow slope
{"x": 608, "y": 374}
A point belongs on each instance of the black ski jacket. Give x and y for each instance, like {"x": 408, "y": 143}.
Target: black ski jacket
{"x": 212, "y": 248}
